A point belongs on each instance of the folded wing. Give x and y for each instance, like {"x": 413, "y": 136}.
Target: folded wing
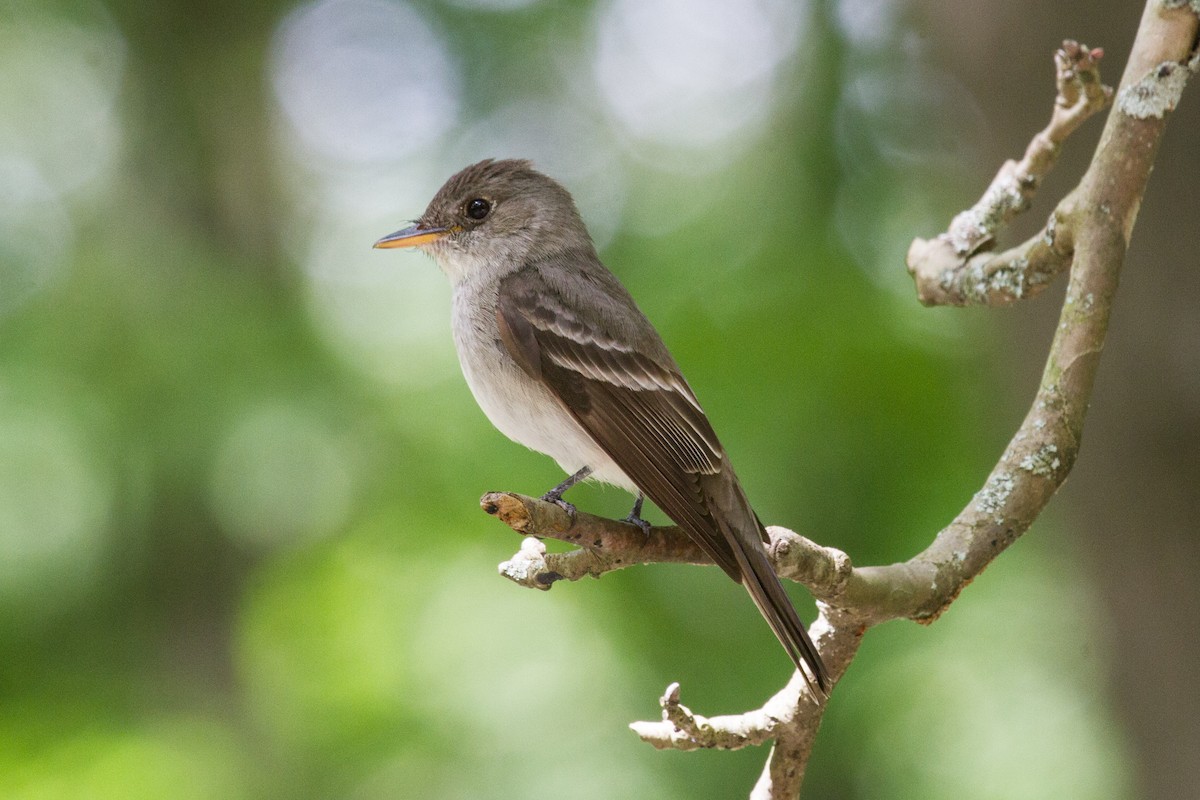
{"x": 636, "y": 405}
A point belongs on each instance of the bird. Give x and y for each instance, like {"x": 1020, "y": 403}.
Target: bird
{"x": 561, "y": 359}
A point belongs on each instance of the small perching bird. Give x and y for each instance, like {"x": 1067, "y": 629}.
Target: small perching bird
{"x": 561, "y": 359}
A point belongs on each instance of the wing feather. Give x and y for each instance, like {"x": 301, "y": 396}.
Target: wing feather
{"x": 640, "y": 412}
{"x": 634, "y": 402}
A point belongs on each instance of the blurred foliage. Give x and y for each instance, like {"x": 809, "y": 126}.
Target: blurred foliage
{"x": 239, "y": 553}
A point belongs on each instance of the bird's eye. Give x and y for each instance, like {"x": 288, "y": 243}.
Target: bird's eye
{"x": 478, "y": 208}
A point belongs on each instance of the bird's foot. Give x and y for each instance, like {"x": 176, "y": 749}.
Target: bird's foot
{"x": 551, "y": 497}
{"x": 555, "y": 494}
{"x": 635, "y": 516}
{"x": 638, "y": 521}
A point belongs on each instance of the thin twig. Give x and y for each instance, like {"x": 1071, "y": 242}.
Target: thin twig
{"x": 956, "y": 268}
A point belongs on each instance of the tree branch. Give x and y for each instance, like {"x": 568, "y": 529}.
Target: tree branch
{"x": 956, "y": 268}
{"x": 608, "y": 544}
{"x": 1089, "y": 231}
{"x": 791, "y": 717}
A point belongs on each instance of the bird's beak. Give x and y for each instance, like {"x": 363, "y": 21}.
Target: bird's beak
{"x": 413, "y": 236}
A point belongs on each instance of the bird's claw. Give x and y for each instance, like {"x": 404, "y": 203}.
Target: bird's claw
{"x": 635, "y": 515}
{"x": 551, "y": 497}
{"x": 634, "y": 519}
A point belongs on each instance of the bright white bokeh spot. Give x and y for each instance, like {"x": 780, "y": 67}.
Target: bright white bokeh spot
{"x": 370, "y": 93}
{"x": 281, "y": 478}
{"x": 55, "y": 506}
{"x": 868, "y": 23}
{"x": 363, "y": 81}
{"x": 693, "y": 74}
{"x": 59, "y": 134}
{"x": 61, "y": 80}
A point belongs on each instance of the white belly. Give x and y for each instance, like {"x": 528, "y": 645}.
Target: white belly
{"x": 521, "y": 408}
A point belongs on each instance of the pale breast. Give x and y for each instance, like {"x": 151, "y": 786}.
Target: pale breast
{"x": 521, "y": 408}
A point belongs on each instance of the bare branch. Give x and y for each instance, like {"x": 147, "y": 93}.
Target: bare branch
{"x": 605, "y": 544}
{"x": 955, "y": 268}
{"x": 680, "y": 729}
{"x": 791, "y": 717}
{"x": 608, "y": 544}
{"x": 871, "y": 594}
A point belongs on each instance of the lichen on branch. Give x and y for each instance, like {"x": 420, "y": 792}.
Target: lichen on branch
{"x": 957, "y": 267}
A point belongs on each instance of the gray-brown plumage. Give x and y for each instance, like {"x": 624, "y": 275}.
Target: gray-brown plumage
{"x": 561, "y": 359}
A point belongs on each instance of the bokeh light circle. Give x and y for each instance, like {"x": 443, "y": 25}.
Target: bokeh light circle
{"x": 363, "y": 80}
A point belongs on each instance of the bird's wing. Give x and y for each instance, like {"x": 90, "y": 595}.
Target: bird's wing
{"x": 637, "y": 408}
{"x": 603, "y": 360}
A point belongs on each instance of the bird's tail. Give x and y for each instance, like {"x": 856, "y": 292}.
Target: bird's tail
{"x": 760, "y": 580}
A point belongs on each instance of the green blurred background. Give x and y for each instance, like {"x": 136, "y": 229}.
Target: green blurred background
{"x": 240, "y": 551}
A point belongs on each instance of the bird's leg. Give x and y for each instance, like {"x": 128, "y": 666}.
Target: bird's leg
{"x": 555, "y": 494}
{"x": 635, "y": 516}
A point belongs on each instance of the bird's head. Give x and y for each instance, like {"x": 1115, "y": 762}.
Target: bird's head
{"x": 492, "y": 218}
